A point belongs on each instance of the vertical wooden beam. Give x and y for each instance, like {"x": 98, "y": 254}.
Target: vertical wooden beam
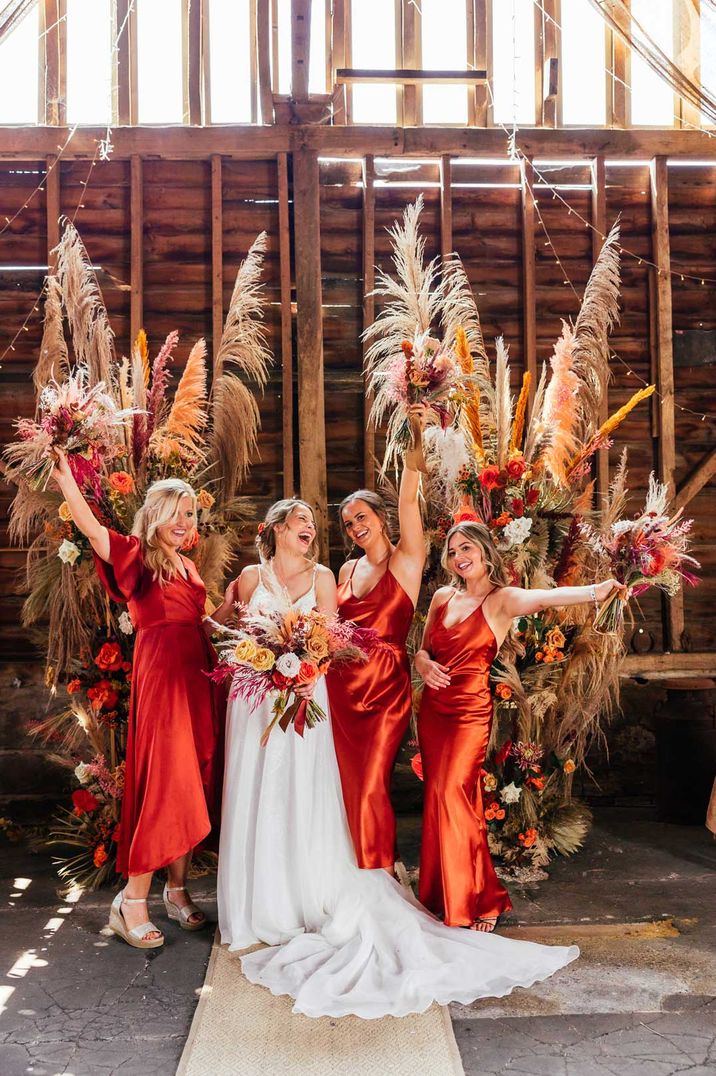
{"x": 471, "y": 60}
{"x": 217, "y": 255}
{"x": 192, "y": 49}
{"x": 263, "y": 45}
{"x": 300, "y": 47}
{"x": 254, "y": 60}
{"x": 484, "y": 61}
{"x": 311, "y": 408}
{"x": 619, "y": 73}
{"x": 687, "y": 56}
{"x": 52, "y": 203}
{"x": 136, "y": 260}
{"x": 52, "y": 58}
{"x": 274, "y": 47}
{"x": 599, "y": 226}
{"x": 551, "y": 102}
{"x": 661, "y": 256}
{"x": 446, "y": 243}
{"x": 368, "y": 312}
{"x": 284, "y": 249}
{"x": 529, "y": 295}
{"x": 124, "y": 67}
{"x": 409, "y": 25}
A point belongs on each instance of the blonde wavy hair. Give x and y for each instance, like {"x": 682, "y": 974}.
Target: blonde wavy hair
{"x": 160, "y": 507}
{"x": 277, "y": 514}
{"x": 479, "y": 535}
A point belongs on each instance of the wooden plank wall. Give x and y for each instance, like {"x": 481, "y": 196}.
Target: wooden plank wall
{"x": 179, "y": 265}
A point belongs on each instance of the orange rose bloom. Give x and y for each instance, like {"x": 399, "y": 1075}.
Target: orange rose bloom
{"x": 122, "y": 482}
{"x": 74, "y": 686}
{"x": 100, "y": 855}
{"x": 504, "y": 691}
{"x": 307, "y": 673}
{"x": 191, "y": 541}
{"x": 569, "y": 766}
{"x": 109, "y": 658}
{"x": 102, "y": 695}
{"x": 516, "y": 467}
{"x": 205, "y": 499}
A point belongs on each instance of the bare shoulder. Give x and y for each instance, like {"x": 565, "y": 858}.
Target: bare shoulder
{"x": 502, "y": 598}
{"x": 250, "y": 573}
{"x": 346, "y": 568}
{"x": 442, "y": 595}
{"x": 324, "y": 574}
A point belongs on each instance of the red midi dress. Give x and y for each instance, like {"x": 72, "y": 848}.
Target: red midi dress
{"x": 457, "y": 876}
{"x": 173, "y": 774}
{"x": 370, "y": 711}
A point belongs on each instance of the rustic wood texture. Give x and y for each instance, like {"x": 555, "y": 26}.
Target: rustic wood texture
{"x": 599, "y": 225}
{"x": 368, "y": 311}
{"x": 217, "y": 256}
{"x": 287, "y": 394}
{"x": 136, "y": 265}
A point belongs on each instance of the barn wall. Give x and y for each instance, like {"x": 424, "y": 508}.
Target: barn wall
{"x": 486, "y": 231}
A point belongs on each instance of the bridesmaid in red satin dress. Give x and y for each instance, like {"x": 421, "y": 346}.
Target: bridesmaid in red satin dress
{"x": 464, "y": 631}
{"x": 371, "y": 703}
{"x": 172, "y": 788}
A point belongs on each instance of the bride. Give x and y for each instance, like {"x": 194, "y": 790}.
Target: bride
{"x": 340, "y": 940}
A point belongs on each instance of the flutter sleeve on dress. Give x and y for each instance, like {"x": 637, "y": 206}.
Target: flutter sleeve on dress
{"x": 121, "y": 578}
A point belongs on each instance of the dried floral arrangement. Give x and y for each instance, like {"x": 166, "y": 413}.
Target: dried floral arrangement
{"x": 204, "y": 435}
{"x": 525, "y": 471}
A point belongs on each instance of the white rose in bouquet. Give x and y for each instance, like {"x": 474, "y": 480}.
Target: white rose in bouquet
{"x": 288, "y": 665}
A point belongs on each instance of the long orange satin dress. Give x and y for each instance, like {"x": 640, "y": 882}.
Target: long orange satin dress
{"x": 370, "y": 711}
{"x": 173, "y": 774}
{"x": 457, "y": 876}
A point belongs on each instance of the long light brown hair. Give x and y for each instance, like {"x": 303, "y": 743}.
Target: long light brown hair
{"x": 160, "y": 507}
{"x": 479, "y": 535}
{"x": 374, "y": 501}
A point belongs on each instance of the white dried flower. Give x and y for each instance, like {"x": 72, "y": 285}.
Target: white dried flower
{"x": 518, "y": 530}
{"x": 125, "y": 623}
{"x": 510, "y": 793}
{"x": 68, "y": 552}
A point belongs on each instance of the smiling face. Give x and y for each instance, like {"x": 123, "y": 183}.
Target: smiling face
{"x": 298, "y": 532}
{"x": 465, "y": 558}
{"x": 362, "y": 523}
{"x": 177, "y": 531}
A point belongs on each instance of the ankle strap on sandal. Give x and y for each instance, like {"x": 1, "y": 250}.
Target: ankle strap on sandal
{"x": 175, "y": 888}
{"x": 133, "y": 900}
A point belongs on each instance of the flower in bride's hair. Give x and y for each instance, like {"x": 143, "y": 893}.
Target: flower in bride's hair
{"x": 262, "y": 660}
{"x": 68, "y": 552}
{"x": 261, "y": 528}
{"x": 245, "y": 650}
{"x": 288, "y": 665}
{"x": 317, "y": 644}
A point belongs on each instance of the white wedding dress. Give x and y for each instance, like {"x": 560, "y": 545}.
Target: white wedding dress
{"x": 341, "y": 940}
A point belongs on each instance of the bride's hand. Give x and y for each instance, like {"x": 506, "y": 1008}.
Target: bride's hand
{"x": 305, "y": 691}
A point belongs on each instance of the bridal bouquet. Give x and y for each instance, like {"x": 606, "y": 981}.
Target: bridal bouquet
{"x": 276, "y": 652}
{"x": 648, "y": 551}
{"x": 83, "y": 421}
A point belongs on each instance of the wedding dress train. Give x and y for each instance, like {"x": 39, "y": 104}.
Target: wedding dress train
{"x": 341, "y": 940}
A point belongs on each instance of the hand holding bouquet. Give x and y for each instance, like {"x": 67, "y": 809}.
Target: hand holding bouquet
{"x": 285, "y": 653}
{"x": 648, "y": 551}
{"x": 84, "y": 423}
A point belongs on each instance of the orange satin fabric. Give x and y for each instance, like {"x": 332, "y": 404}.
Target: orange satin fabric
{"x": 370, "y": 711}
{"x": 173, "y": 775}
{"x": 457, "y": 877}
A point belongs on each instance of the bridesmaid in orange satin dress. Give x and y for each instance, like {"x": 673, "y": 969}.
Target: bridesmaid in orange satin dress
{"x": 371, "y": 703}
{"x": 172, "y": 787}
{"x": 464, "y": 631}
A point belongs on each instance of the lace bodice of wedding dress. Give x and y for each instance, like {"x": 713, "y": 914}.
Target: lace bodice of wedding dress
{"x": 340, "y": 940}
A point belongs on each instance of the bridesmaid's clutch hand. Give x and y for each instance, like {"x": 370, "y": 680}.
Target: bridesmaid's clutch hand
{"x": 431, "y": 672}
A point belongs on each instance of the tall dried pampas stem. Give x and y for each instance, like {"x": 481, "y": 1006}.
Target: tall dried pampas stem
{"x": 92, "y": 337}
{"x": 243, "y": 341}
{"x": 52, "y": 360}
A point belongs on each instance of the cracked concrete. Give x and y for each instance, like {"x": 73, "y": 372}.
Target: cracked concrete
{"x": 641, "y": 1001}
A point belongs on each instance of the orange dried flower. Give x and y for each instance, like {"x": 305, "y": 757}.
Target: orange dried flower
{"x": 100, "y": 855}
{"x": 122, "y": 482}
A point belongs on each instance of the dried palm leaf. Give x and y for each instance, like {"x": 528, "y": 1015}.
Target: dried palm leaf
{"x": 565, "y": 829}
{"x": 92, "y": 336}
{"x": 53, "y": 360}
{"x": 28, "y": 510}
{"x": 243, "y": 341}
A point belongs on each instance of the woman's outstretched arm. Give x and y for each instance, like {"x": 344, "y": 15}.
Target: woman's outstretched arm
{"x": 82, "y": 515}
{"x": 515, "y": 601}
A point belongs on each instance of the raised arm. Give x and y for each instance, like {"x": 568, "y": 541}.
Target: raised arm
{"x": 514, "y": 601}
{"x": 81, "y": 512}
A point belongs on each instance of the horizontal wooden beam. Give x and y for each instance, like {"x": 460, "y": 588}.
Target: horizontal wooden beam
{"x": 252, "y": 143}
{"x": 407, "y": 76}
{"x": 698, "y": 478}
{"x": 669, "y": 665}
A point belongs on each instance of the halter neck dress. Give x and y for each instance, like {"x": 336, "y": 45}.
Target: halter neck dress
{"x": 457, "y": 876}
{"x": 371, "y": 704}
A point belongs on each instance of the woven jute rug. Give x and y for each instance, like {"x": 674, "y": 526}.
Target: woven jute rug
{"x": 243, "y": 1030}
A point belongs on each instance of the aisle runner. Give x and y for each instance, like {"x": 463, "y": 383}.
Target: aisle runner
{"x": 243, "y": 1030}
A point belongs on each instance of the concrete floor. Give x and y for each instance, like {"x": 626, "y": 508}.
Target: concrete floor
{"x": 640, "y": 901}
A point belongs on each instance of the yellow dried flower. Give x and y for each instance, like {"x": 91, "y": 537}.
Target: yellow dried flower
{"x": 245, "y": 650}
{"x": 263, "y": 659}
{"x": 64, "y": 512}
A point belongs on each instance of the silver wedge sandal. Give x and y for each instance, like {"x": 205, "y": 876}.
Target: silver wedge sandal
{"x": 134, "y": 936}
{"x": 182, "y": 915}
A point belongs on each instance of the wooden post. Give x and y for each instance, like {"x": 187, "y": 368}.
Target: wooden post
{"x": 550, "y": 100}
{"x": 599, "y": 226}
{"x": 136, "y": 264}
{"x": 192, "y": 49}
{"x": 52, "y": 59}
{"x": 52, "y": 203}
{"x": 217, "y": 255}
{"x": 300, "y": 47}
{"x": 124, "y": 72}
{"x": 263, "y": 45}
{"x": 529, "y": 298}
{"x": 446, "y": 244}
{"x": 311, "y": 409}
{"x": 618, "y": 74}
{"x": 661, "y": 255}
{"x": 410, "y": 48}
{"x": 687, "y": 56}
{"x": 284, "y": 248}
{"x": 368, "y": 312}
